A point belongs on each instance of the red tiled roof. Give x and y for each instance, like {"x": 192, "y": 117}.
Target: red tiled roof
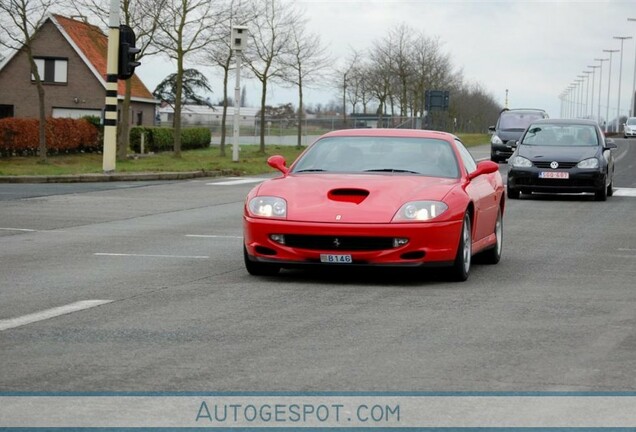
{"x": 94, "y": 44}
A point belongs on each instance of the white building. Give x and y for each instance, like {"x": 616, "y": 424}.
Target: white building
{"x": 207, "y": 116}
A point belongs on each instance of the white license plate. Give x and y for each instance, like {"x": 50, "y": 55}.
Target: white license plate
{"x": 554, "y": 175}
{"x": 335, "y": 259}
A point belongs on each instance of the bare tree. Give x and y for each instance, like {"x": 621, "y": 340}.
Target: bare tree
{"x": 220, "y": 53}
{"x": 270, "y": 35}
{"x": 184, "y": 28}
{"x": 306, "y": 60}
{"x": 343, "y": 79}
{"x": 20, "y": 21}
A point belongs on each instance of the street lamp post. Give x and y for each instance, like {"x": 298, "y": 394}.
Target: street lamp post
{"x": 609, "y": 86}
{"x": 620, "y": 71}
{"x": 587, "y": 90}
{"x": 632, "y": 108}
{"x": 581, "y": 78}
{"x": 600, "y": 80}
{"x": 593, "y": 67}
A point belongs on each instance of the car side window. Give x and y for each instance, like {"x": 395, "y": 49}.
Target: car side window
{"x": 467, "y": 158}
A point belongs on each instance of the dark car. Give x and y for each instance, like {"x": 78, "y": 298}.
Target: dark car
{"x": 562, "y": 156}
{"x": 508, "y": 130}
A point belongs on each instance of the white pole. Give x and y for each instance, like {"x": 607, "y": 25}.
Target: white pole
{"x": 237, "y": 108}
{"x": 609, "y": 86}
{"x": 110, "y": 111}
{"x": 632, "y": 108}
{"x": 592, "y": 92}
{"x": 620, "y": 72}
{"x": 600, "y": 80}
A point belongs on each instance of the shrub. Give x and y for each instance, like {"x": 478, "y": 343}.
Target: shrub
{"x": 19, "y": 136}
{"x": 159, "y": 139}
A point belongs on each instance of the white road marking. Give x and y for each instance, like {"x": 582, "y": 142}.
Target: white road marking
{"x": 625, "y": 192}
{"x": 50, "y": 313}
{"x": 151, "y": 256}
{"x": 237, "y": 182}
{"x": 18, "y": 229}
{"x": 626, "y": 250}
{"x": 212, "y": 236}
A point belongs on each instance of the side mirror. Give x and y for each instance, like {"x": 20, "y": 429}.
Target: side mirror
{"x": 491, "y": 129}
{"x": 484, "y": 167}
{"x": 610, "y": 144}
{"x": 514, "y": 144}
{"x": 278, "y": 162}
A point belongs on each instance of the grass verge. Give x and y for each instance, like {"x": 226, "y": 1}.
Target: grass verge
{"x": 251, "y": 161}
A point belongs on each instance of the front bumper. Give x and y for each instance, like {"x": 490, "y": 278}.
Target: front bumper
{"x": 580, "y": 180}
{"x": 630, "y": 133}
{"x": 432, "y": 243}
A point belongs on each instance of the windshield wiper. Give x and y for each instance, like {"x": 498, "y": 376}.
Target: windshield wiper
{"x": 310, "y": 170}
{"x": 392, "y": 170}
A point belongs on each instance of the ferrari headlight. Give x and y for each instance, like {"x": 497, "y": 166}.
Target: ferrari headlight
{"x": 268, "y": 206}
{"x": 520, "y": 162}
{"x": 590, "y": 163}
{"x": 496, "y": 140}
{"x": 418, "y": 211}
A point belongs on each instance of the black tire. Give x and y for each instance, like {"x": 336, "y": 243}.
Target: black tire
{"x": 601, "y": 194}
{"x": 257, "y": 268}
{"x": 610, "y": 189}
{"x": 461, "y": 267}
{"x": 494, "y": 158}
{"x": 493, "y": 255}
{"x": 512, "y": 193}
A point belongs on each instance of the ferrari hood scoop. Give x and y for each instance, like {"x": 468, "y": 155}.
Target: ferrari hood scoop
{"x": 351, "y": 195}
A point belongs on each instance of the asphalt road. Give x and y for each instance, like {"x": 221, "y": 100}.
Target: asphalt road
{"x": 180, "y": 313}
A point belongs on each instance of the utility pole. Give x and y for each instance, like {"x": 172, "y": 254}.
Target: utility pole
{"x": 110, "y": 111}
{"x": 620, "y": 72}
{"x": 609, "y": 80}
{"x": 600, "y": 80}
{"x": 238, "y": 42}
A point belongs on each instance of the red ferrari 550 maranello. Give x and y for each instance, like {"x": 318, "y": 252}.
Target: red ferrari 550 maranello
{"x": 376, "y": 197}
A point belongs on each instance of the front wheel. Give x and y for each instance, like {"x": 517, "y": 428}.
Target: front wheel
{"x": 461, "y": 266}
{"x": 512, "y": 193}
{"x": 601, "y": 194}
{"x": 257, "y": 268}
{"x": 610, "y": 189}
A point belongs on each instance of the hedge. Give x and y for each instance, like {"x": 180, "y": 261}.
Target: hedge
{"x": 159, "y": 139}
{"x": 20, "y": 136}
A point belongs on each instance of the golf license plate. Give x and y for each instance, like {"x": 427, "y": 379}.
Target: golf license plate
{"x": 554, "y": 175}
{"x": 335, "y": 259}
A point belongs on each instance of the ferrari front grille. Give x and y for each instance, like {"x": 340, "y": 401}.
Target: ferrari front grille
{"x": 338, "y": 243}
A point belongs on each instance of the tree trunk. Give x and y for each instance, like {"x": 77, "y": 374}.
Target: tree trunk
{"x": 124, "y": 131}
{"x": 261, "y": 148}
{"x": 224, "y": 115}
{"x": 177, "y": 108}
{"x": 301, "y": 112}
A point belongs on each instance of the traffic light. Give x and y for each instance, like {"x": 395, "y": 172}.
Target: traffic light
{"x": 127, "y": 52}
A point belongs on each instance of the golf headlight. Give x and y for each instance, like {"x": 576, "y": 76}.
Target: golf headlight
{"x": 418, "y": 211}
{"x": 520, "y": 162}
{"x": 590, "y": 163}
{"x": 268, "y": 206}
{"x": 496, "y": 140}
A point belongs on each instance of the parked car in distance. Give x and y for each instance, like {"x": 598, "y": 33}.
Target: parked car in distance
{"x": 562, "y": 156}
{"x": 376, "y": 197}
{"x": 510, "y": 125}
{"x": 629, "y": 127}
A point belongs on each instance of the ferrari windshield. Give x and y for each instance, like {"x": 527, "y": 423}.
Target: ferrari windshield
{"x": 560, "y": 134}
{"x": 420, "y": 156}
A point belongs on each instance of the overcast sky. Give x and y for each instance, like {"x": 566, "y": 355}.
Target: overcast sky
{"x": 534, "y": 49}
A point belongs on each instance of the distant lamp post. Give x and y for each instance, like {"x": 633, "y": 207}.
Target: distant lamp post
{"x": 593, "y": 67}
{"x": 579, "y": 112}
{"x": 238, "y": 42}
{"x": 620, "y": 71}
{"x": 600, "y": 80}
{"x": 587, "y": 91}
{"x": 632, "y": 108}
{"x": 609, "y": 86}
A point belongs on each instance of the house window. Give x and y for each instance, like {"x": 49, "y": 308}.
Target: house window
{"x": 6, "y": 111}
{"x": 52, "y": 70}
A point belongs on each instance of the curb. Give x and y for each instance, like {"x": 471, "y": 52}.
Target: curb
{"x": 81, "y": 178}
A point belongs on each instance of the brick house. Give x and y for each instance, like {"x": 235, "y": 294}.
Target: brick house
{"x": 71, "y": 57}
